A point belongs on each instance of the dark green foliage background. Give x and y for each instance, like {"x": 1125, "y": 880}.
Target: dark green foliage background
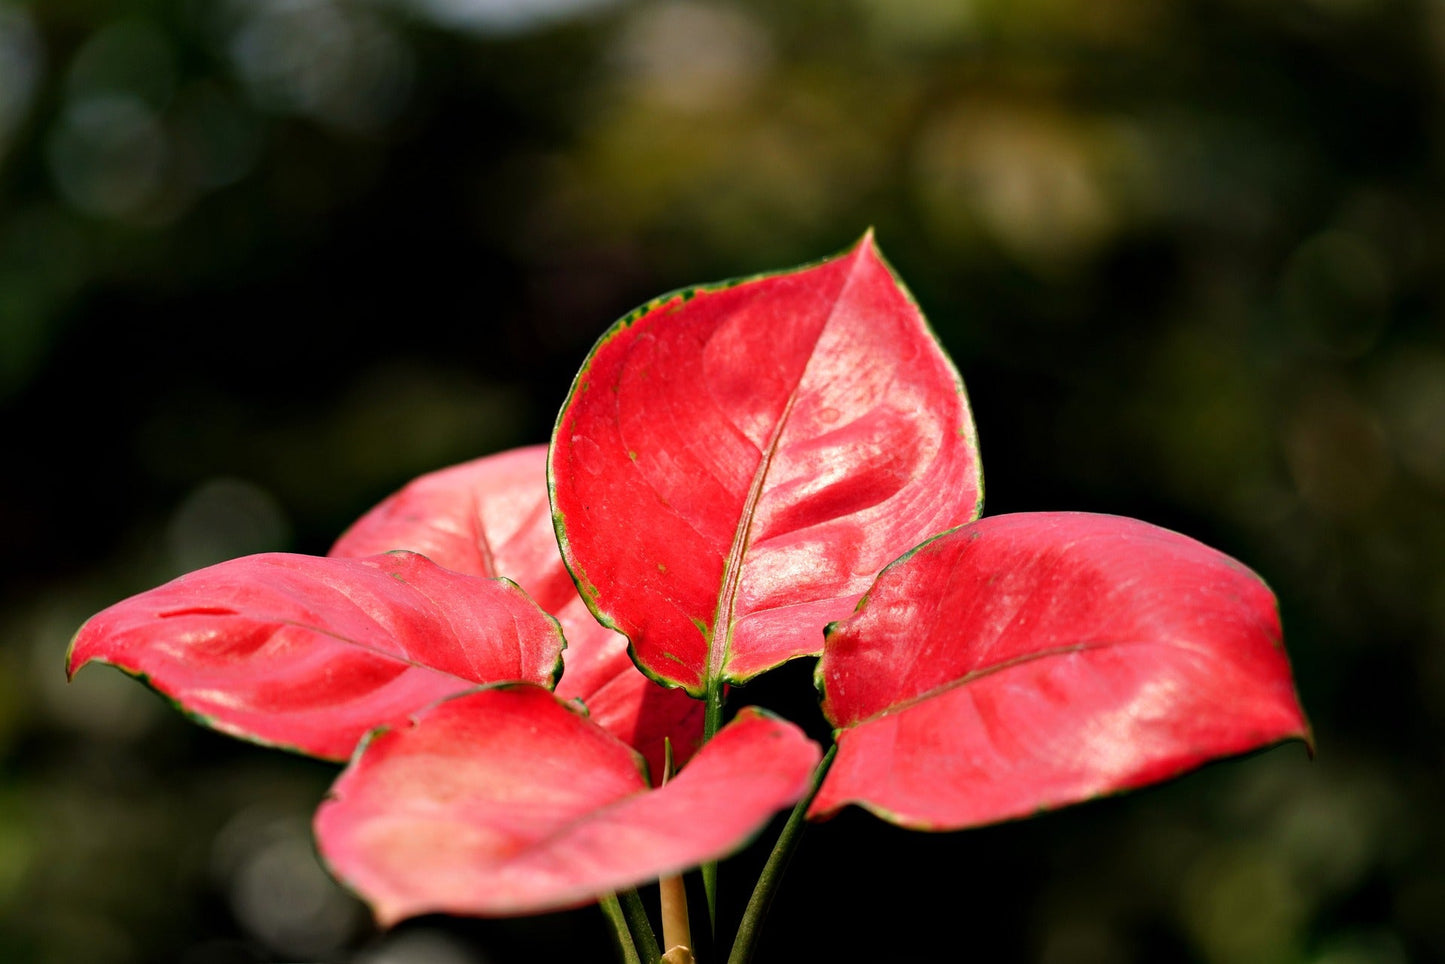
{"x": 261, "y": 261}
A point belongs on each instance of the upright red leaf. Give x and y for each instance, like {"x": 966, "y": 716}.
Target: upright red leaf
{"x": 507, "y": 801}
{"x": 736, "y": 462}
{"x": 1028, "y": 661}
{"x": 490, "y": 517}
{"x": 310, "y": 654}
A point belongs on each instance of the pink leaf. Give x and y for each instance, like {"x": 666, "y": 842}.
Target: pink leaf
{"x": 490, "y": 517}
{"x": 507, "y": 801}
{"x": 310, "y": 653}
{"x": 736, "y": 462}
{"x": 1028, "y": 661}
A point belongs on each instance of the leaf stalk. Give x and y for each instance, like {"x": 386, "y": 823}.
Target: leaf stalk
{"x": 612, "y": 910}
{"x": 762, "y": 899}
{"x": 712, "y": 722}
{"x": 672, "y": 893}
{"x": 640, "y": 926}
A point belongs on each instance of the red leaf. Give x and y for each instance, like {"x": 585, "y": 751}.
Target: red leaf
{"x": 1028, "y": 661}
{"x": 310, "y": 653}
{"x": 506, "y": 801}
{"x": 736, "y": 462}
{"x": 490, "y": 517}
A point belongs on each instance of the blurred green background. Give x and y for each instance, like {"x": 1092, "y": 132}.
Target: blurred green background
{"x": 261, "y": 261}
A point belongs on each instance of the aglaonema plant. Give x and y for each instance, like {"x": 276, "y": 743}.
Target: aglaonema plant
{"x": 743, "y": 474}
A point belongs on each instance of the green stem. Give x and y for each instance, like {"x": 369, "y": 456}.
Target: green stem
{"x": 640, "y": 926}
{"x": 712, "y": 719}
{"x": 712, "y": 722}
{"x": 709, "y": 887}
{"x": 613, "y": 911}
{"x": 772, "y": 875}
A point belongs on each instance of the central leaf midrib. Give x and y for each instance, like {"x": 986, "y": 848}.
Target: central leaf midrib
{"x": 482, "y": 540}
{"x": 732, "y": 567}
{"x": 973, "y": 676}
{"x": 378, "y": 651}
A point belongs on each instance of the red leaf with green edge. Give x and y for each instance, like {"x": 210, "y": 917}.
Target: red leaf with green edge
{"x": 490, "y": 517}
{"x": 310, "y": 654}
{"x": 1029, "y": 661}
{"x": 507, "y": 801}
{"x": 736, "y": 462}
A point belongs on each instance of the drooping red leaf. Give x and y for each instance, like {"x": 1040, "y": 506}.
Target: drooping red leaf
{"x": 309, "y": 653}
{"x": 1028, "y": 661}
{"x": 507, "y": 801}
{"x": 736, "y": 462}
{"x": 490, "y": 517}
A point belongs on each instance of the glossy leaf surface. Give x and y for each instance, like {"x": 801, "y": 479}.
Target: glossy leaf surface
{"x": 490, "y": 517}
{"x": 508, "y": 801}
{"x": 1028, "y": 661}
{"x": 310, "y": 653}
{"x": 735, "y": 463}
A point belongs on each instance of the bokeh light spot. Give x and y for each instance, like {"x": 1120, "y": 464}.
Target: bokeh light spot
{"x": 338, "y": 64}
{"x": 126, "y": 57}
{"x": 21, "y": 57}
{"x": 223, "y": 519}
{"x": 108, "y": 155}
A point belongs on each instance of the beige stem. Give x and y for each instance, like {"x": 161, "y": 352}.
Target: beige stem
{"x": 676, "y": 933}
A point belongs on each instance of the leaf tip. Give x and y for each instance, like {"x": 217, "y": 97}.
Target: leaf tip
{"x": 387, "y": 918}
{"x": 81, "y": 648}
{"x": 73, "y": 662}
{"x": 1306, "y": 735}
